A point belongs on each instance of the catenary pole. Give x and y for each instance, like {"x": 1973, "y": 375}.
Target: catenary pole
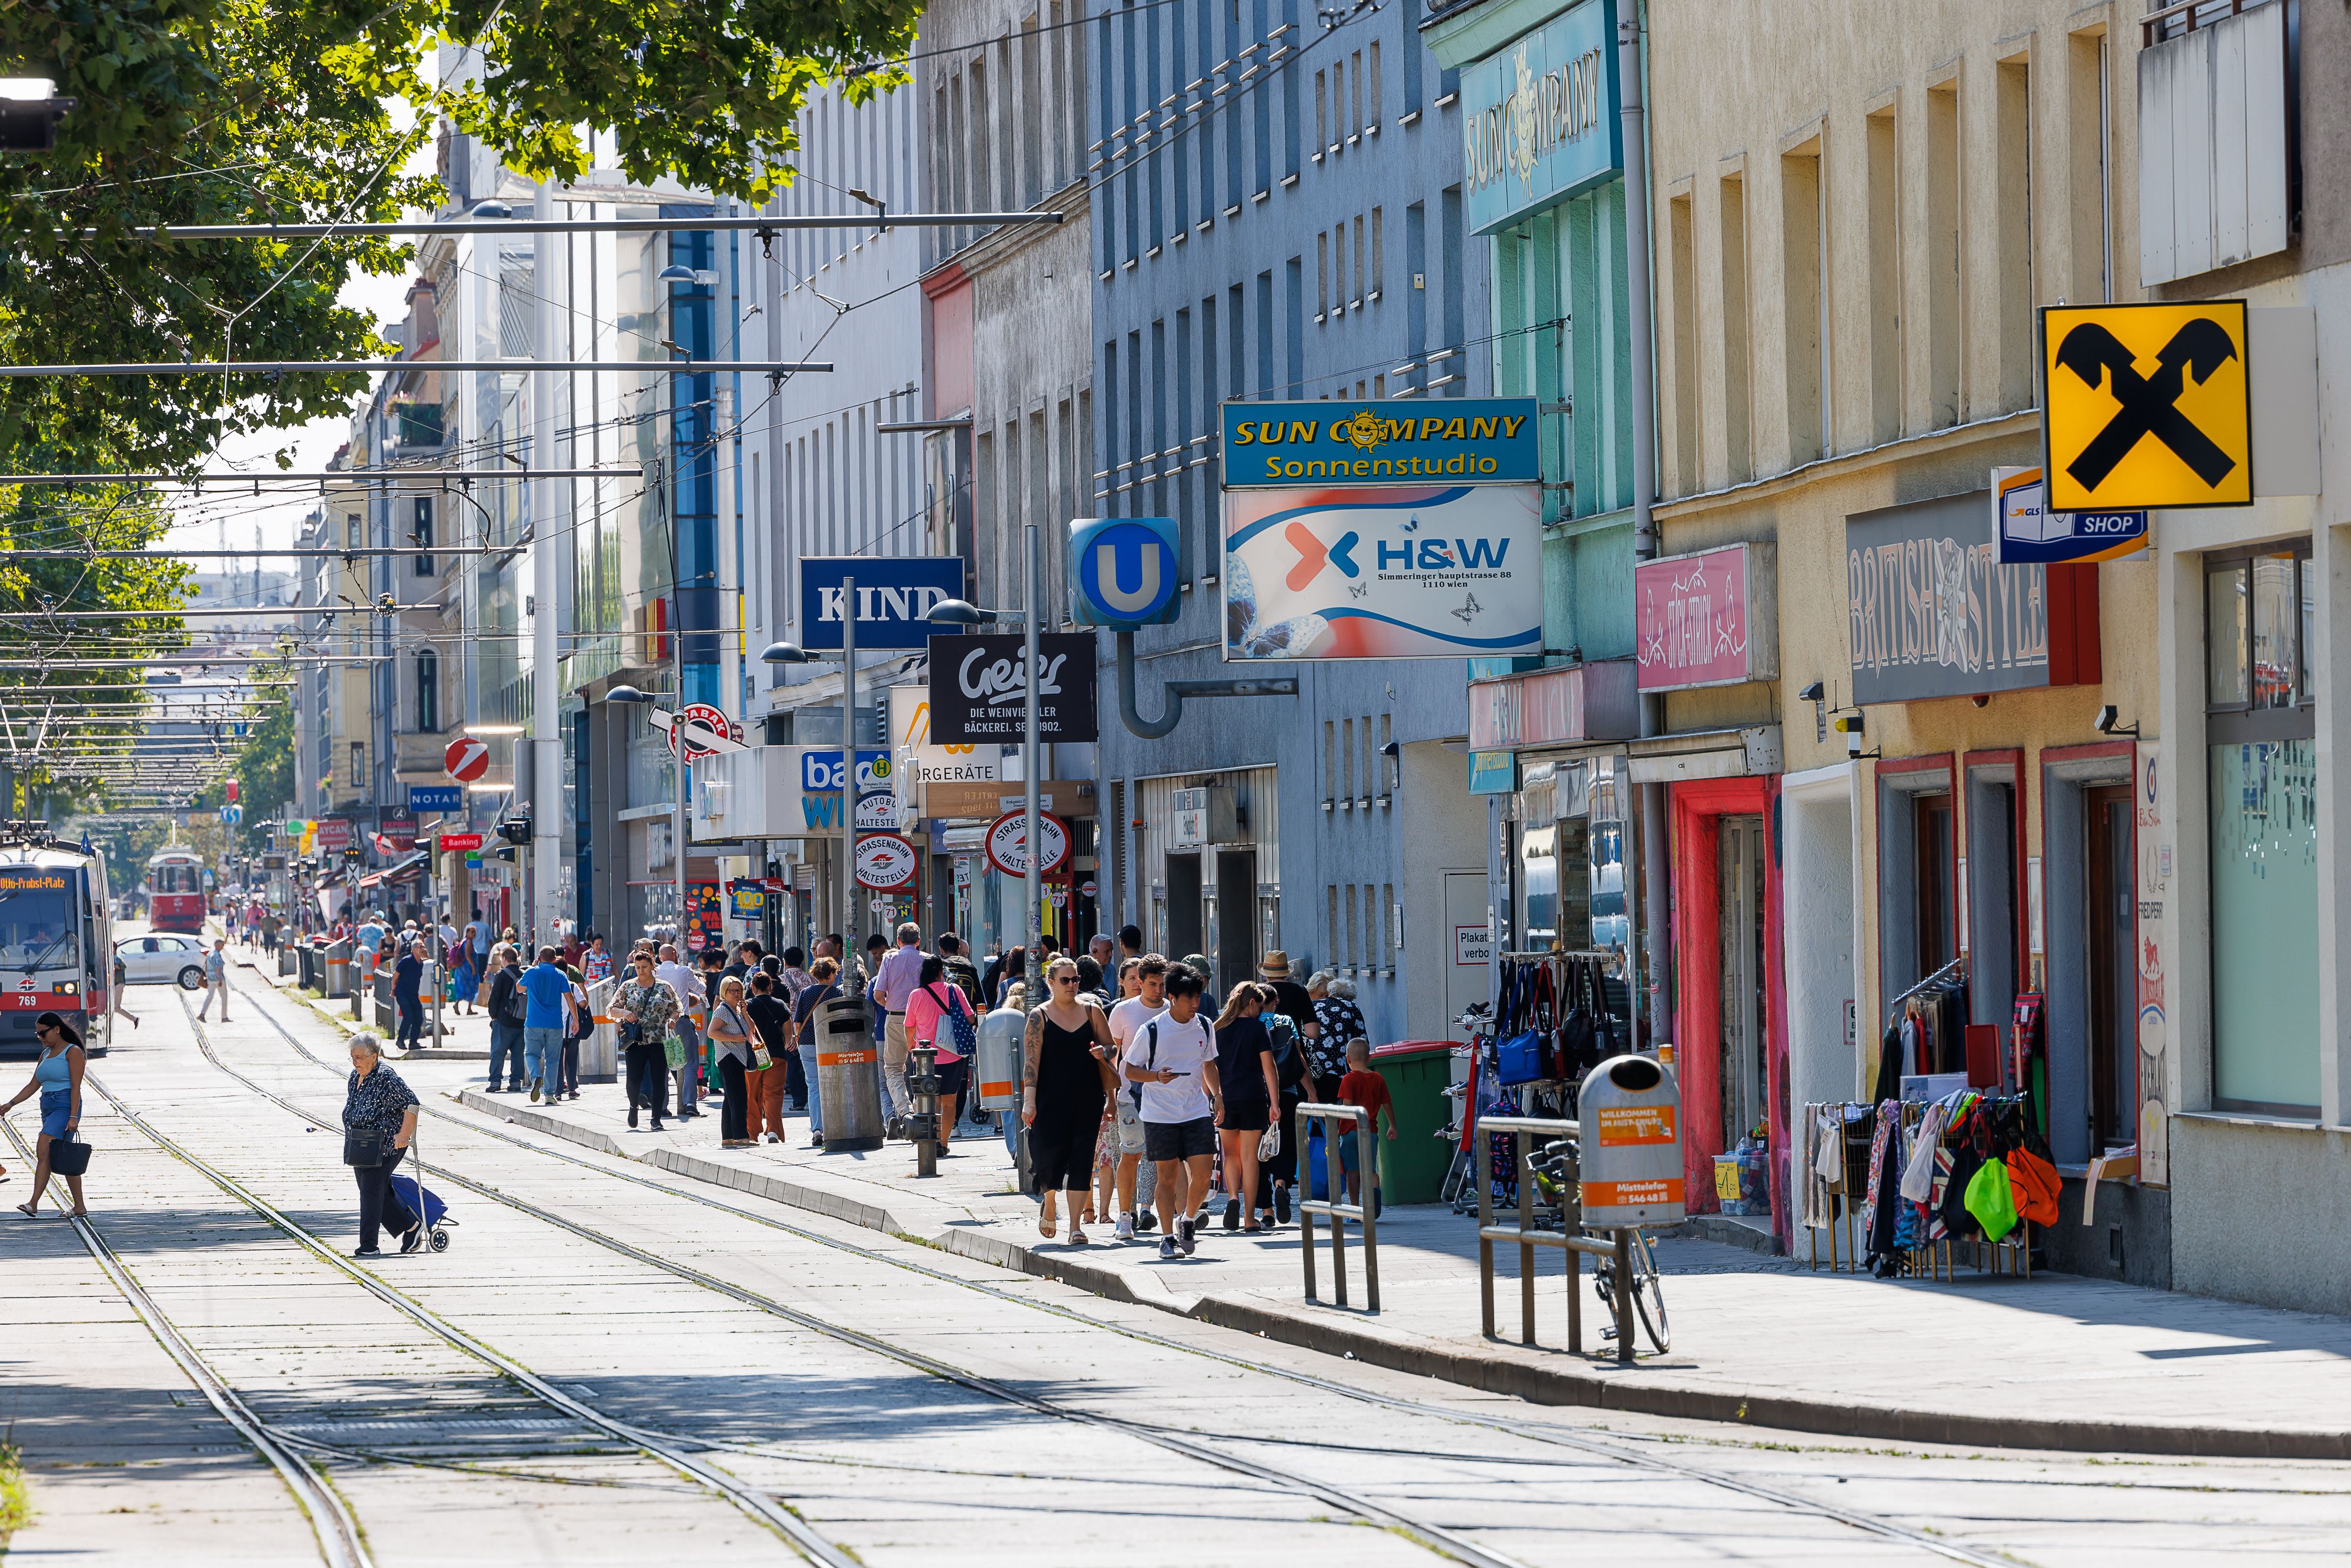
{"x": 546, "y": 749}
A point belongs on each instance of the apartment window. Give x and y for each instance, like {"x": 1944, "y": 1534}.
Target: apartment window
{"x": 1349, "y": 905}
{"x": 1371, "y": 114}
{"x": 1803, "y": 282}
{"x": 2261, "y": 614}
{"x": 1321, "y": 110}
{"x": 1379, "y": 256}
{"x": 2088, "y": 198}
{"x": 1322, "y": 275}
{"x": 421, "y": 534}
{"x": 1338, "y": 104}
{"x": 1386, "y": 942}
{"x": 1737, "y": 427}
{"x": 1357, "y": 297}
{"x": 1884, "y": 153}
{"x": 2013, "y": 122}
{"x": 1330, "y": 758}
{"x": 1945, "y": 323}
{"x": 428, "y": 691}
{"x": 1330, "y": 920}
{"x": 1264, "y": 334}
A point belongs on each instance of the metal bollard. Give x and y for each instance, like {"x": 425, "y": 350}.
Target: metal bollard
{"x": 922, "y": 1126}
{"x": 1335, "y": 1209}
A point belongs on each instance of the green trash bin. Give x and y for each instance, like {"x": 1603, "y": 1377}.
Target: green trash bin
{"x": 1412, "y": 1168}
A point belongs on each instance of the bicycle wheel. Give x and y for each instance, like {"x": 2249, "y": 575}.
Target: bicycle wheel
{"x": 1649, "y": 1293}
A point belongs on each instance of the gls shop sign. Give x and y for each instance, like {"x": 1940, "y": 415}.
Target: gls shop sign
{"x": 895, "y": 595}
{"x": 979, "y": 688}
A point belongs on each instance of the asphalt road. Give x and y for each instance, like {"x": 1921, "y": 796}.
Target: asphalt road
{"x": 612, "y": 1364}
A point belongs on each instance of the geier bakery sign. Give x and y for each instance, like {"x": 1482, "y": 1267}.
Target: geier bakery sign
{"x": 979, "y": 688}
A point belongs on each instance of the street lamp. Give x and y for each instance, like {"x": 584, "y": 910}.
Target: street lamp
{"x": 628, "y": 696}
{"x": 958, "y": 613}
{"x": 845, "y": 875}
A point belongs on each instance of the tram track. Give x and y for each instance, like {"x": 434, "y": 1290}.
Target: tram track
{"x": 1436, "y": 1539}
{"x": 1543, "y": 1432}
{"x": 661, "y": 1447}
{"x": 341, "y": 1543}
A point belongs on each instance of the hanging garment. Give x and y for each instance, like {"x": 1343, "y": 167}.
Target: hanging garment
{"x": 1880, "y": 1219}
{"x": 1813, "y": 1193}
{"x": 1930, "y": 1211}
{"x": 1919, "y": 1173}
{"x": 1889, "y": 1068}
{"x": 2034, "y": 1187}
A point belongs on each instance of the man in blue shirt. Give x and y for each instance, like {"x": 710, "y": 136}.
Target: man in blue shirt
{"x": 548, "y": 991}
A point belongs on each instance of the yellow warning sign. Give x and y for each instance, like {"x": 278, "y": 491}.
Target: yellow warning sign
{"x": 2146, "y": 405}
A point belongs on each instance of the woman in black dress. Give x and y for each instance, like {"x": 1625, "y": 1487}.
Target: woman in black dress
{"x": 1245, "y": 1069}
{"x": 1066, "y": 1078}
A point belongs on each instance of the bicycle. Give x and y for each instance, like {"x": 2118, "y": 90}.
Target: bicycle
{"x": 1549, "y": 1166}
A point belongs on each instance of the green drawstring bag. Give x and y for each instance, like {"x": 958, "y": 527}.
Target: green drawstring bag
{"x": 1991, "y": 1200}
{"x": 673, "y": 1049}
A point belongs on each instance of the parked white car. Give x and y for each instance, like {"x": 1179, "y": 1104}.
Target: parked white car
{"x": 161, "y": 958}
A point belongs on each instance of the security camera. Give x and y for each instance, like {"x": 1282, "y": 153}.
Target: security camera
{"x": 2107, "y": 719}
{"x": 1812, "y": 694}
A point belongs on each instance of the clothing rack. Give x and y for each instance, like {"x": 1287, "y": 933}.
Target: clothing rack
{"x": 1956, "y": 970}
{"x": 1845, "y": 1197}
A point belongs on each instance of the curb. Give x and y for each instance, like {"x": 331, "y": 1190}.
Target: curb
{"x": 1570, "y": 1383}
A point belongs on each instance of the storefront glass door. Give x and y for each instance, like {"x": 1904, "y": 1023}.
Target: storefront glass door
{"x": 2111, "y": 879}
{"x": 1744, "y": 1100}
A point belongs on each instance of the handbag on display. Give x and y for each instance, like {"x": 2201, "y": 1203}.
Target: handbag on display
{"x": 1520, "y": 1059}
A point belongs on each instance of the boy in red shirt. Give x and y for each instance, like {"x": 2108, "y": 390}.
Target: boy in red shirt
{"x": 1363, "y": 1087}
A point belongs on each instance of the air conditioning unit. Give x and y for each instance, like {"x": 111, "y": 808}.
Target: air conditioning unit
{"x": 1202, "y": 816}
{"x": 714, "y": 792}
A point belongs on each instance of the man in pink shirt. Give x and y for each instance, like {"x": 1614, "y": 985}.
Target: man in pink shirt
{"x": 895, "y": 983}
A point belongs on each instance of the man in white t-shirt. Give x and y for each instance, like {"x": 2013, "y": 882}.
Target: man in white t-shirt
{"x": 1173, "y": 1057}
{"x": 1144, "y": 981}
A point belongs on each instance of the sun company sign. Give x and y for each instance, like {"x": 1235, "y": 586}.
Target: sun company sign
{"x": 1539, "y": 119}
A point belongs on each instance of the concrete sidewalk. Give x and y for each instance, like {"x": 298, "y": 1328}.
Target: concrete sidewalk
{"x": 2056, "y": 1362}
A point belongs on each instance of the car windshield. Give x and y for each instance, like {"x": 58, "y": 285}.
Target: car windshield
{"x": 37, "y": 919}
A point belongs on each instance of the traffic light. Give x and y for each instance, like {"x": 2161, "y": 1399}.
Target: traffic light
{"x": 515, "y": 829}
{"x": 232, "y": 791}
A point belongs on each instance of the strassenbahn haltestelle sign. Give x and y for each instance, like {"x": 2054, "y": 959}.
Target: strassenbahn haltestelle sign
{"x": 2146, "y": 405}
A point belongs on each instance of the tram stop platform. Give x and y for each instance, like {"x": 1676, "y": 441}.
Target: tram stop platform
{"x": 2053, "y": 1361}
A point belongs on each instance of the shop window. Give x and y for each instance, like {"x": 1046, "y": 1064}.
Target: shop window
{"x": 2264, "y": 773}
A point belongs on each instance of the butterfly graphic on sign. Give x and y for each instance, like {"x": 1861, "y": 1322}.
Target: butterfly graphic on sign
{"x": 1469, "y": 610}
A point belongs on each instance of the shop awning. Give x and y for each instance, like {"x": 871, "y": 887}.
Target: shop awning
{"x": 406, "y": 869}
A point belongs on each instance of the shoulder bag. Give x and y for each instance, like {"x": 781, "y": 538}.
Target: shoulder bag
{"x": 958, "y": 1020}
{"x": 365, "y": 1146}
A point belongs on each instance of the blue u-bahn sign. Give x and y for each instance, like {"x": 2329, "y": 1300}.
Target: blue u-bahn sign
{"x": 1124, "y": 571}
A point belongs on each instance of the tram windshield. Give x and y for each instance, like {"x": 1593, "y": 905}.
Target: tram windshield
{"x": 174, "y": 877}
{"x": 37, "y": 920}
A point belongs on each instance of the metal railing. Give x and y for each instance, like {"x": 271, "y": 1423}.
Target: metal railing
{"x": 1526, "y": 1237}
{"x": 1337, "y": 1211}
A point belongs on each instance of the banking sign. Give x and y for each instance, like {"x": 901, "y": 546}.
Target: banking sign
{"x": 1540, "y": 118}
{"x": 1398, "y": 529}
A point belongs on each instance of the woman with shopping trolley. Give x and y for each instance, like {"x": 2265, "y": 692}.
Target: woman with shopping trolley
{"x": 378, "y": 1124}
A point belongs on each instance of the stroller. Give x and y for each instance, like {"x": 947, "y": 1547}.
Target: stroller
{"x": 423, "y": 1201}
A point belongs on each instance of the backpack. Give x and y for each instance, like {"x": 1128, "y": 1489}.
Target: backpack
{"x": 1289, "y": 1061}
{"x": 517, "y": 1009}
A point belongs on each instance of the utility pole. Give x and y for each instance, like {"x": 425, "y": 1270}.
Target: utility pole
{"x": 547, "y": 748}
{"x": 1033, "y": 879}
{"x": 848, "y": 876}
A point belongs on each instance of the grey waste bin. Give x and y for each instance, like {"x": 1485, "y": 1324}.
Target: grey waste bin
{"x": 600, "y": 1053}
{"x": 848, "y": 1075}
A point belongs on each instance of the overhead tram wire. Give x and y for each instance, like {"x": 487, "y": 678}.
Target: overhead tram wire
{"x": 882, "y": 218}
{"x": 354, "y": 477}
{"x": 776, "y": 368}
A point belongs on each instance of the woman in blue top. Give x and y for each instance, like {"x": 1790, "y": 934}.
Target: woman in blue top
{"x": 56, "y": 1078}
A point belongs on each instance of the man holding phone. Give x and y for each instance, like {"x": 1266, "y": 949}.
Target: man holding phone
{"x": 1174, "y": 1058}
